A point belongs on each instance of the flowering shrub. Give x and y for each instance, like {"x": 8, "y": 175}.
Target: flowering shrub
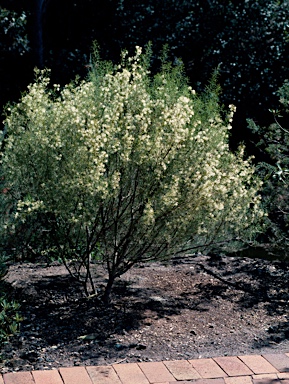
{"x": 123, "y": 168}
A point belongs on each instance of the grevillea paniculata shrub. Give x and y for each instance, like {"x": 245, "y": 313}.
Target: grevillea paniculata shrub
{"x": 123, "y": 167}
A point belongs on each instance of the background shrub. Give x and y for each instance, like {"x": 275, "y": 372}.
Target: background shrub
{"x": 273, "y": 146}
{"x": 10, "y": 317}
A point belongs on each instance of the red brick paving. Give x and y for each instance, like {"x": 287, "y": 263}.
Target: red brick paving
{"x": 18, "y": 378}
{"x": 258, "y": 364}
{"x": 265, "y": 376}
{"x": 248, "y": 369}
{"x": 103, "y": 375}
{"x": 130, "y": 374}
{"x": 266, "y": 379}
{"x": 233, "y": 366}
{"x": 182, "y": 370}
{"x": 208, "y": 381}
{"x": 208, "y": 368}
{"x": 238, "y": 380}
{"x": 279, "y": 361}
{"x": 156, "y": 372}
{"x": 47, "y": 377}
{"x": 75, "y": 375}
{"x": 283, "y": 375}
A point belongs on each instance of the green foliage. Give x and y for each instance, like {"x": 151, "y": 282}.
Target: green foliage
{"x": 10, "y": 319}
{"x": 13, "y": 36}
{"x": 124, "y": 167}
{"x": 248, "y": 38}
{"x": 274, "y": 148}
{"x": 250, "y": 42}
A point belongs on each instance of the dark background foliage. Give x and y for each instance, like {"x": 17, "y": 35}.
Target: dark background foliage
{"x": 247, "y": 40}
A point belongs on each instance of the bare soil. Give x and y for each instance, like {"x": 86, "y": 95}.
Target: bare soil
{"x": 192, "y": 307}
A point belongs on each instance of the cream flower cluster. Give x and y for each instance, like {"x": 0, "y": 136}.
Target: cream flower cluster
{"x": 129, "y": 153}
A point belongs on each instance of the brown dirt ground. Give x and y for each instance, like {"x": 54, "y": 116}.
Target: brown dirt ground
{"x": 190, "y": 307}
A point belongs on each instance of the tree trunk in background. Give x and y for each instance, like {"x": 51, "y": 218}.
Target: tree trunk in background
{"x": 40, "y": 11}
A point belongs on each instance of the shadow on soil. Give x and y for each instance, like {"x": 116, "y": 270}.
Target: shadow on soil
{"x": 56, "y": 313}
{"x": 56, "y": 309}
{"x": 261, "y": 282}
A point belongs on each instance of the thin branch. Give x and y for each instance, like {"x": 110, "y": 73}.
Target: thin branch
{"x": 280, "y": 126}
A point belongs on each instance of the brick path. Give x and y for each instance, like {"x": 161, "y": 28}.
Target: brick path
{"x": 249, "y": 369}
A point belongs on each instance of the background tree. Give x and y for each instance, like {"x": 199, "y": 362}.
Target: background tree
{"x": 123, "y": 168}
{"x": 273, "y": 144}
{"x": 13, "y": 32}
{"x": 247, "y": 39}
{"x": 14, "y": 47}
